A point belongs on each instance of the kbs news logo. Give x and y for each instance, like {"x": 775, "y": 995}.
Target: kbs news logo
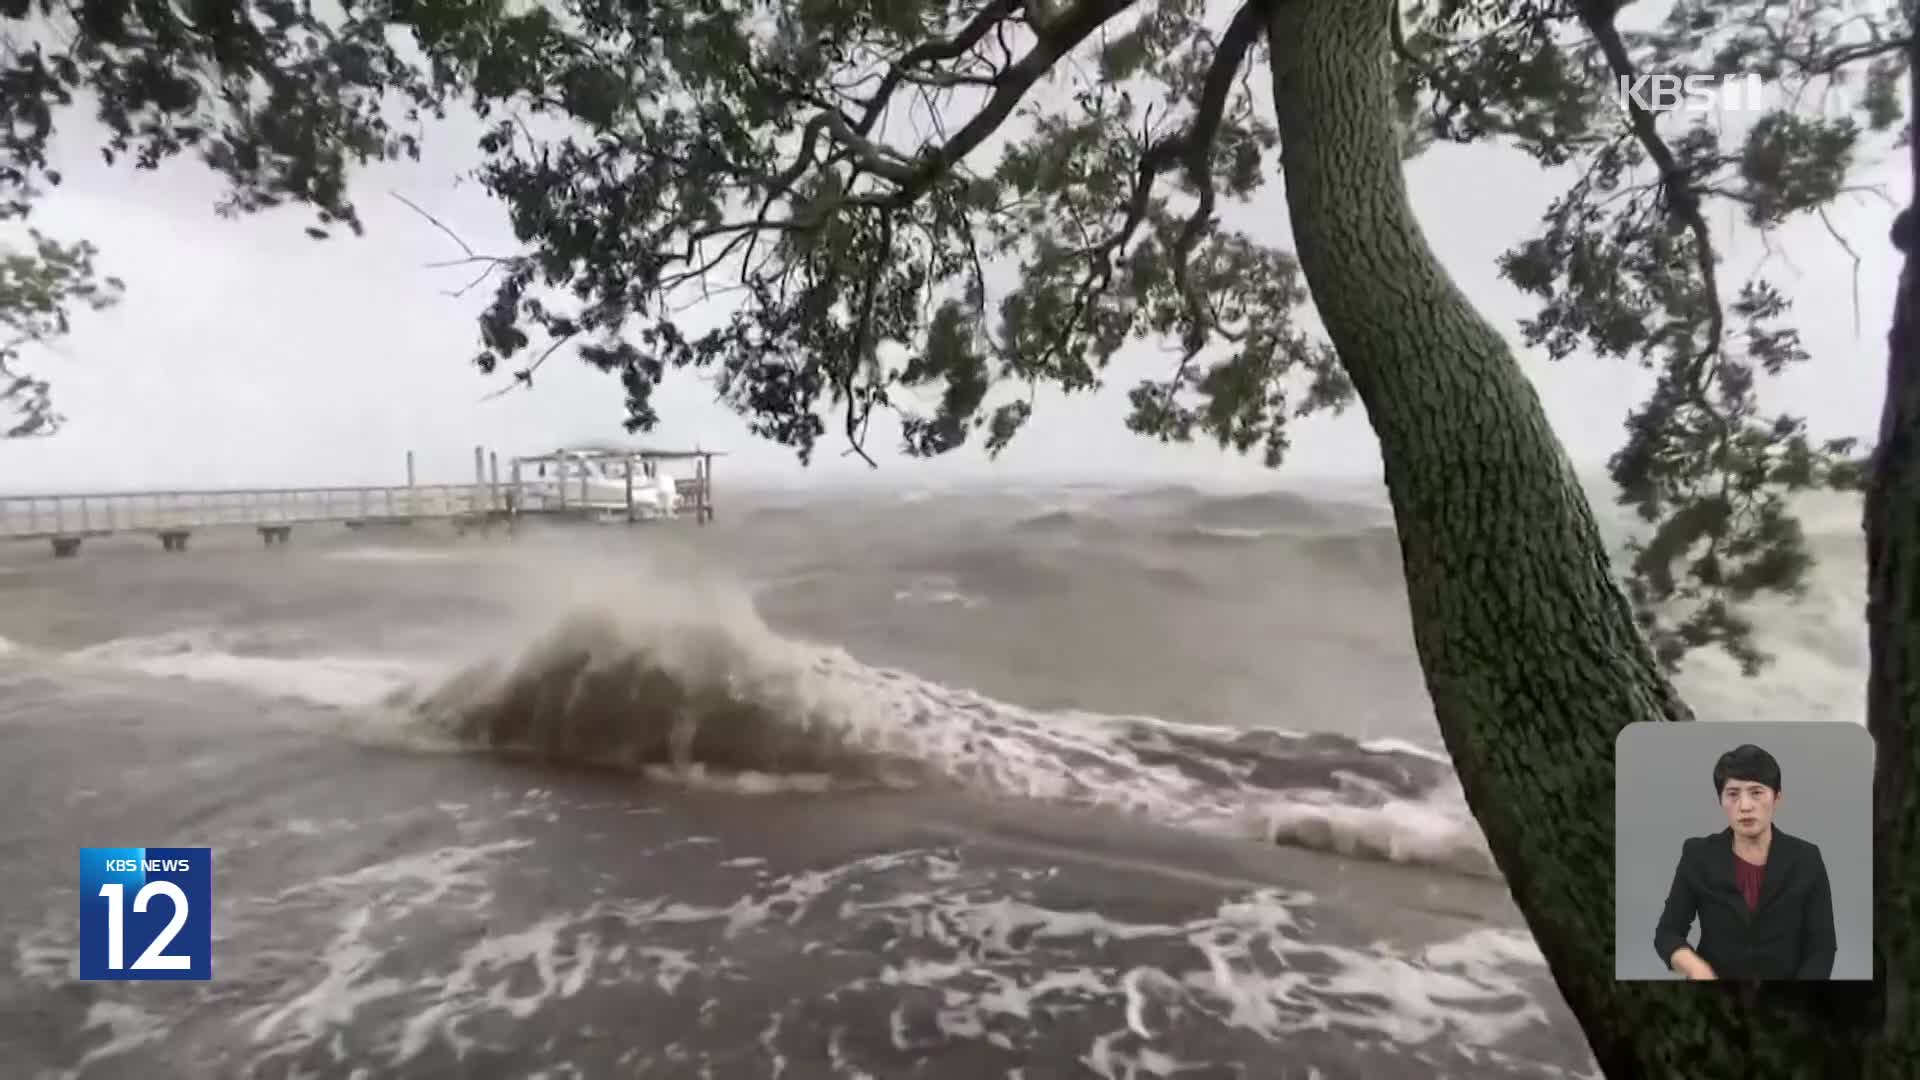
{"x": 145, "y": 913}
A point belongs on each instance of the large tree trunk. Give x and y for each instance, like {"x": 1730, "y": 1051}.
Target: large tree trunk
{"x": 1531, "y": 654}
{"x": 1893, "y": 627}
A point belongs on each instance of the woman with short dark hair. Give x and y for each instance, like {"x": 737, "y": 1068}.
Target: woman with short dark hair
{"x": 1761, "y": 896}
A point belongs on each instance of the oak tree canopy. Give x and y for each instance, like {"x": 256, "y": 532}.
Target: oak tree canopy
{"x": 933, "y": 208}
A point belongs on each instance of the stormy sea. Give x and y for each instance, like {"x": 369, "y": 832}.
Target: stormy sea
{"x": 1076, "y": 781}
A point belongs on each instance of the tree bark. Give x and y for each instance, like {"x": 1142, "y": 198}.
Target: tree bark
{"x": 1893, "y": 632}
{"x": 1529, "y": 647}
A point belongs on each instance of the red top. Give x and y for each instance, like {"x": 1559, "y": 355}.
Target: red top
{"x": 1748, "y": 876}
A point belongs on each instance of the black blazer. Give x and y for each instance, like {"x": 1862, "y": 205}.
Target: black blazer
{"x": 1789, "y": 936}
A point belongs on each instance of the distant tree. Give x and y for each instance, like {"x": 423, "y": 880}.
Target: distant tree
{"x": 936, "y": 208}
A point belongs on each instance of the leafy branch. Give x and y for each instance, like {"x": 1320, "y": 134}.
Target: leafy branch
{"x": 1626, "y": 265}
{"x": 40, "y": 287}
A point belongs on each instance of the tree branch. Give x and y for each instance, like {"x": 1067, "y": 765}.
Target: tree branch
{"x": 1682, "y": 195}
{"x": 969, "y": 37}
{"x": 1057, "y": 35}
{"x": 1192, "y": 149}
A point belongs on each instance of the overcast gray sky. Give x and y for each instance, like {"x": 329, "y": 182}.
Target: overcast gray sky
{"x": 248, "y": 354}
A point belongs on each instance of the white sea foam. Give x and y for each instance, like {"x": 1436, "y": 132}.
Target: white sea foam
{"x": 213, "y": 656}
{"x": 992, "y": 961}
{"x": 1436, "y": 831}
{"x": 999, "y": 967}
{"x": 936, "y": 590}
{"x": 128, "y": 1027}
{"x": 1229, "y": 532}
{"x": 393, "y": 554}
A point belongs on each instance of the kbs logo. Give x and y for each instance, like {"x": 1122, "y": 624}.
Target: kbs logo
{"x": 1658, "y": 93}
{"x": 145, "y": 913}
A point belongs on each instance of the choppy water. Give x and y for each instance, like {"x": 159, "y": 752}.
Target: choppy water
{"x": 1076, "y": 782}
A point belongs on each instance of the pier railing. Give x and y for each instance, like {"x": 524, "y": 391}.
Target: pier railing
{"x": 25, "y": 517}
{"x": 66, "y": 518}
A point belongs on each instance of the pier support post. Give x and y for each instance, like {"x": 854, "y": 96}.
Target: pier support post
{"x": 705, "y": 511}
{"x": 275, "y": 534}
{"x": 479, "y": 480}
{"x": 174, "y": 539}
{"x": 66, "y": 547}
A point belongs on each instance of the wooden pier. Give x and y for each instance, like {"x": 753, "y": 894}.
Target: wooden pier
{"x": 602, "y": 485}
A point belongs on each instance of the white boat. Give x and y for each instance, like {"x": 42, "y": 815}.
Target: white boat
{"x": 594, "y": 481}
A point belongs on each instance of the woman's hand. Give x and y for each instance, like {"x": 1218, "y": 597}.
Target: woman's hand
{"x": 1689, "y": 964}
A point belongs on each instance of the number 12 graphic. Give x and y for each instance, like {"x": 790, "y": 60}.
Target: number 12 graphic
{"x": 155, "y": 903}
{"x": 155, "y": 958}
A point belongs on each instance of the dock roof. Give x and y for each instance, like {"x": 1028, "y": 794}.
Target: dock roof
{"x": 620, "y": 450}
